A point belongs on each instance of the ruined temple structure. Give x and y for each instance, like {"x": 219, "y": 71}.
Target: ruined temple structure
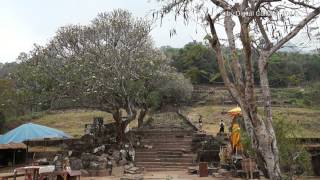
{"x": 168, "y": 142}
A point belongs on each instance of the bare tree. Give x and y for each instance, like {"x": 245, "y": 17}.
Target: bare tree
{"x": 263, "y": 26}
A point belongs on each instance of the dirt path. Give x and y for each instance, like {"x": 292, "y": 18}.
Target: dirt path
{"x": 170, "y": 175}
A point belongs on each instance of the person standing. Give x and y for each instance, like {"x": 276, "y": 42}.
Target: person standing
{"x": 200, "y": 123}
{"x": 221, "y": 127}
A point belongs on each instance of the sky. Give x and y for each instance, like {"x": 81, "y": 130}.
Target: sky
{"x": 26, "y": 22}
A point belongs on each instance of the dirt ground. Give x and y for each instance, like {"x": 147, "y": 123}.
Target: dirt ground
{"x": 181, "y": 175}
{"x": 175, "y": 175}
{"x": 170, "y": 175}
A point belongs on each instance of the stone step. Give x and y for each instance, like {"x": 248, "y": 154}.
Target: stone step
{"x": 167, "y": 141}
{"x": 165, "y": 135}
{"x": 159, "y": 137}
{"x": 145, "y": 152}
{"x": 171, "y": 150}
{"x": 164, "y": 141}
{"x": 164, "y": 145}
{"x": 159, "y": 169}
{"x": 155, "y": 159}
{"x": 159, "y": 155}
{"x": 167, "y": 148}
{"x": 166, "y": 151}
{"x": 175, "y": 156}
{"x": 164, "y": 132}
{"x": 168, "y": 156}
{"x": 162, "y": 164}
{"x": 165, "y": 155}
{"x": 165, "y": 168}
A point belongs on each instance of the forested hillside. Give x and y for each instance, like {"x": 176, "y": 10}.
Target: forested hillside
{"x": 6, "y": 68}
{"x": 198, "y": 62}
{"x": 25, "y": 89}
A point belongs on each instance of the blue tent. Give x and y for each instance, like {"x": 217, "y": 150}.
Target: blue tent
{"x": 31, "y": 131}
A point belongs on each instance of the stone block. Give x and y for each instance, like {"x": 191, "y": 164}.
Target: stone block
{"x": 118, "y": 171}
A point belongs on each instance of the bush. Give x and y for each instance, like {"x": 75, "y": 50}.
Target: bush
{"x": 312, "y": 94}
{"x": 294, "y": 158}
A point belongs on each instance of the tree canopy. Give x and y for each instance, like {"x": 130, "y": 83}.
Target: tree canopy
{"x": 196, "y": 61}
{"x": 109, "y": 65}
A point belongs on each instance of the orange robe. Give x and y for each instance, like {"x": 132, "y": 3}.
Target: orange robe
{"x": 235, "y": 137}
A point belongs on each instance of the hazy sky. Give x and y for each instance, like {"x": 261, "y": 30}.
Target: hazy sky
{"x": 25, "y": 22}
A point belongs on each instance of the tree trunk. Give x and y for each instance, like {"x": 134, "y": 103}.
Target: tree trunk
{"x": 262, "y": 142}
{"x": 260, "y": 131}
{"x": 142, "y": 115}
{"x": 120, "y": 125}
{"x": 275, "y": 165}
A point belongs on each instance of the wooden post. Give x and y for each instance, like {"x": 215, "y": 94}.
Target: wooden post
{"x": 14, "y": 158}
{"x": 27, "y": 151}
{"x": 251, "y": 169}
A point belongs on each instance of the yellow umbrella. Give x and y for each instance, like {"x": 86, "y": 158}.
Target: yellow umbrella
{"x": 235, "y": 111}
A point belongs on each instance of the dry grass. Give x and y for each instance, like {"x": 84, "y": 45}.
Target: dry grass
{"x": 211, "y": 116}
{"x": 72, "y": 121}
{"x": 308, "y": 120}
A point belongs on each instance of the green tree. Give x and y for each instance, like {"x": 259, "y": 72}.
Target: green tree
{"x": 295, "y": 160}
{"x": 293, "y": 69}
{"x": 110, "y": 65}
{"x": 7, "y": 97}
{"x": 196, "y": 61}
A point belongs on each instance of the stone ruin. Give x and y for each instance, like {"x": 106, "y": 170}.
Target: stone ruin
{"x": 97, "y": 153}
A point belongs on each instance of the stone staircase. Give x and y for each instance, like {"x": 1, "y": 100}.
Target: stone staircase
{"x": 165, "y": 150}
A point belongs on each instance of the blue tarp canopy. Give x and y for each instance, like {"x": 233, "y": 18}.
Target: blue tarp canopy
{"x": 31, "y": 131}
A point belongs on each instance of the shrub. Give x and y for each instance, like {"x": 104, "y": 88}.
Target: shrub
{"x": 294, "y": 159}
